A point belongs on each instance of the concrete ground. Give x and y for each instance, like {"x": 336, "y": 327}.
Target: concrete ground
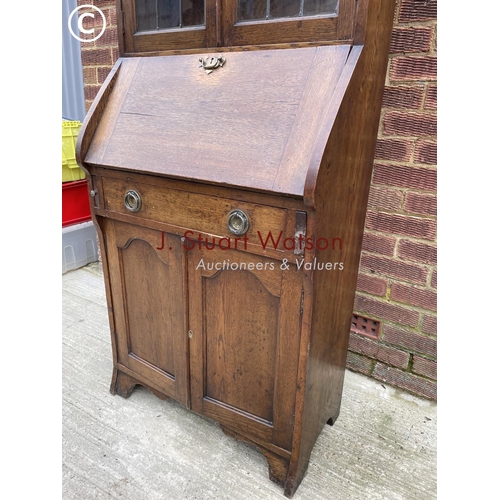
{"x": 383, "y": 445}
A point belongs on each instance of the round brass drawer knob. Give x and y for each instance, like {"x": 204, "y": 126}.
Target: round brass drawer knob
{"x": 237, "y": 222}
{"x": 132, "y": 200}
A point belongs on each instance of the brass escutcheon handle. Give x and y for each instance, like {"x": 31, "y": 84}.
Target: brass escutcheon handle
{"x": 237, "y": 222}
{"x": 132, "y": 200}
{"x": 211, "y": 63}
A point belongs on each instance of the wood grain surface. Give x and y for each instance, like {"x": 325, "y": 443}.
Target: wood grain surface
{"x": 252, "y": 123}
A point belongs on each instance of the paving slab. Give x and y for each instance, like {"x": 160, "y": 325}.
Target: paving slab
{"x": 383, "y": 445}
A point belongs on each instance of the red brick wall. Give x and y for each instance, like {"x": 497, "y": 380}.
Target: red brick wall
{"x": 99, "y": 57}
{"x": 397, "y": 280}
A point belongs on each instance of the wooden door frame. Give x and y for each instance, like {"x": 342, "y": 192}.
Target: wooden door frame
{"x": 192, "y": 37}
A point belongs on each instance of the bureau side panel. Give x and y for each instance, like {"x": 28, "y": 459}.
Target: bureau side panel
{"x": 341, "y": 195}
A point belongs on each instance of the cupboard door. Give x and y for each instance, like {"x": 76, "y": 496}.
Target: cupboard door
{"x": 156, "y": 25}
{"x": 244, "y": 346}
{"x": 148, "y": 289}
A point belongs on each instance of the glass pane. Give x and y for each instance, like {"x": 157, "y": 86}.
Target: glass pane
{"x": 273, "y": 9}
{"x": 252, "y": 9}
{"x": 285, "y": 8}
{"x": 168, "y": 14}
{"x": 193, "y": 12}
{"x": 145, "y": 13}
{"x": 165, "y": 14}
{"x": 312, "y": 7}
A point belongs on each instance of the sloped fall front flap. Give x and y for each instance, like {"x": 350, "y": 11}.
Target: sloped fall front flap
{"x": 251, "y": 123}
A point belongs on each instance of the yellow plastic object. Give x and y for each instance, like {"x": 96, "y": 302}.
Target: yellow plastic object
{"x": 70, "y": 169}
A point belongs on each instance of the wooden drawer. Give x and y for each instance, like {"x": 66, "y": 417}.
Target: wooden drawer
{"x": 196, "y": 213}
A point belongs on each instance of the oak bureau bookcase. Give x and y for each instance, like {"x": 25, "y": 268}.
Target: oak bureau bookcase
{"x": 228, "y": 157}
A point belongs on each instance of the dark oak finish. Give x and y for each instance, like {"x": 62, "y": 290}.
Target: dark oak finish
{"x": 278, "y": 465}
{"x": 196, "y": 212}
{"x": 197, "y": 37}
{"x": 283, "y": 30}
{"x": 124, "y": 384}
{"x": 245, "y": 345}
{"x": 150, "y": 310}
{"x": 223, "y": 28}
{"x": 288, "y": 136}
{"x": 148, "y": 127}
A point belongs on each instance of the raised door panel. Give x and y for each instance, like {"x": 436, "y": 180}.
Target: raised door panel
{"x": 148, "y": 286}
{"x": 241, "y": 335}
{"x": 244, "y": 312}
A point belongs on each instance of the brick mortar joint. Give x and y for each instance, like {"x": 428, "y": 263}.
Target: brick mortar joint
{"x": 422, "y": 191}
{"x": 408, "y": 192}
{"x": 409, "y": 368}
{"x": 421, "y": 54}
{"x": 428, "y": 138}
{"x": 414, "y": 140}
{"x": 403, "y": 305}
{"x": 417, "y": 113}
{"x": 399, "y": 236}
{"x": 416, "y": 287}
{"x": 409, "y": 329}
{"x": 406, "y": 370}
{"x": 390, "y": 284}
{"x": 429, "y": 281}
{"x": 413, "y": 111}
{"x": 421, "y": 22}
{"x": 393, "y": 163}
{"x": 378, "y": 344}
{"x": 355, "y": 369}
{"x": 426, "y": 357}
{"x": 405, "y": 215}
{"x": 391, "y": 281}
{"x": 413, "y": 307}
{"x": 405, "y": 141}
{"x": 408, "y": 138}
{"x": 389, "y": 301}
{"x": 410, "y": 364}
{"x": 410, "y": 83}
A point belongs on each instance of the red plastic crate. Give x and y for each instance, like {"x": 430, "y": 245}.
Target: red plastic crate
{"x": 75, "y": 203}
